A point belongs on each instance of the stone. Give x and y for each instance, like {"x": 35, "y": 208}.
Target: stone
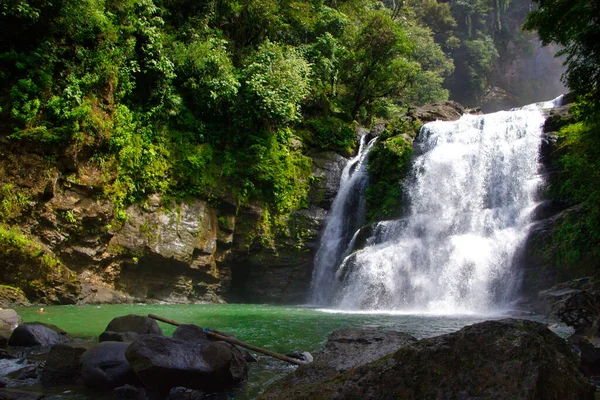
{"x": 95, "y": 294}
{"x": 14, "y": 394}
{"x": 163, "y": 363}
{"x": 445, "y": 111}
{"x": 63, "y": 363}
{"x": 327, "y": 168}
{"x": 506, "y": 359}
{"x": 129, "y": 392}
{"x": 12, "y": 297}
{"x": 30, "y": 371}
{"x": 181, "y": 393}
{"x": 9, "y": 320}
{"x": 104, "y": 367}
{"x": 345, "y": 349}
{"x": 134, "y": 323}
{"x": 189, "y": 332}
{"x": 110, "y": 336}
{"x": 37, "y": 334}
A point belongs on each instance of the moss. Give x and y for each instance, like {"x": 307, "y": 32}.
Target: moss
{"x": 389, "y": 162}
{"x": 574, "y": 247}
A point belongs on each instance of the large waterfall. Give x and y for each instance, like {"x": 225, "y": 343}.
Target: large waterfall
{"x": 470, "y": 195}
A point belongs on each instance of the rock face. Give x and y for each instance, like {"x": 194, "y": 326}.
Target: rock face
{"x": 508, "y": 359}
{"x": 446, "y": 111}
{"x": 537, "y": 256}
{"x": 37, "y": 334}
{"x": 163, "y": 363}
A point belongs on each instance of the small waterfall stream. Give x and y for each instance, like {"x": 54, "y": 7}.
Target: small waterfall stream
{"x": 337, "y": 237}
{"x": 471, "y": 192}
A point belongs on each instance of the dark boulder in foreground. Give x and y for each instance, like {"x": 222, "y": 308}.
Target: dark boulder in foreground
{"x": 104, "y": 367}
{"x": 345, "y": 349}
{"x": 63, "y": 363}
{"x": 163, "y": 363}
{"x": 32, "y": 334}
{"x": 134, "y": 323}
{"x": 508, "y": 359}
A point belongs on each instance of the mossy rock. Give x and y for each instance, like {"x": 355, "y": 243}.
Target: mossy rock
{"x": 12, "y": 297}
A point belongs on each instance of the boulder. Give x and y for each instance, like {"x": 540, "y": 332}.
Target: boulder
{"x": 96, "y": 294}
{"x": 12, "y": 297}
{"x": 63, "y": 363}
{"x": 181, "y": 393}
{"x": 14, "y": 394}
{"x": 134, "y": 323}
{"x": 30, "y": 371}
{"x": 110, "y": 336}
{"x": 445, "y": 111}
{"x": 345, "y": 349}
{"x": 37, "y": 334}
{"x": 163, "y": 363}
{"x": 129, "y": 392}
{"x": 9, "y": 320}
{"x": 104, "y": 367}
{"x": 507, "y": 359}
{"x": 189, "y": 332}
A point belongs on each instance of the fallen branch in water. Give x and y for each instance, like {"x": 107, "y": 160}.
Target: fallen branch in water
{"x": 220, "y": 336}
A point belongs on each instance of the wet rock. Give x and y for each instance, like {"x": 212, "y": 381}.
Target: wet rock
{"x": 30, "y": 371}
{"x": 37, "y": 334}
{"x": 446, "y": 111}
{"x": 507, "y": 359}
{"x": 12, "y": 297}
{"x": 104, "y": 367}
{"x": 163, "y": 363}
{"x": 181, "y": 393}
{"x": 189, "y": 332}
{"x": 110, "y": 336}
{"x": 345, "y": 349}
{"x": 63, "y": 363}
{"x": 95, "y": 294}
{"x": 9, "y": 320}
{"x": 327, "y": 172}
{"x": 129, "y": 392}
{"x": 14, "y": 394}
{"x": 134, "y": 323}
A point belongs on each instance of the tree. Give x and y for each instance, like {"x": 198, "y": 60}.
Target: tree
{"x": 574, "y": 24}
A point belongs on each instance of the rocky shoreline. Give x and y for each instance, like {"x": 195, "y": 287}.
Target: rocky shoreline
{"x": 132, "y": 359}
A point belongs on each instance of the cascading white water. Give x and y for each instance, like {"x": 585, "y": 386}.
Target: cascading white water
{"x": 339, "y": 228}
{"x": 471, "y": 193}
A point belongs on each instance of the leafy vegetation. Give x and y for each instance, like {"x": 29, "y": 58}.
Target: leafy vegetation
{"x": 575, "y": 26}
{"x": 208, "y": 99}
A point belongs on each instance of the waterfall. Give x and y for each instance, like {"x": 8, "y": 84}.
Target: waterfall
{"x": 470, "y": 195}
{"x": 339, "y": 232}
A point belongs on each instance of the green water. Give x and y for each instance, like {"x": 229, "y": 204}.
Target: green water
{"x": 280, "y": 329}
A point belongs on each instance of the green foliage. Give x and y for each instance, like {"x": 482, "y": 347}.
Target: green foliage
{"x": 203, "y": 98}
{"x": 576, "y": 241}
{"x": 15, "y": 245}
{"x": 389, "y": 162}
{"x": 332, "y": 134}
{"x": 277, "y": 80}
{"x": 574, "y": 25}
{"x": 12, "y": 202}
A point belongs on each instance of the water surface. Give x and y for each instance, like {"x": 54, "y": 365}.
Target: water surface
{"x": 277, "y": 328}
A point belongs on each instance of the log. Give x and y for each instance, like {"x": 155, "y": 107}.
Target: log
{"x": 220, "y": 336}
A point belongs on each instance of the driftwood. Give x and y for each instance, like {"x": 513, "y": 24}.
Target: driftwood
{"x": 221, "y": 336}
